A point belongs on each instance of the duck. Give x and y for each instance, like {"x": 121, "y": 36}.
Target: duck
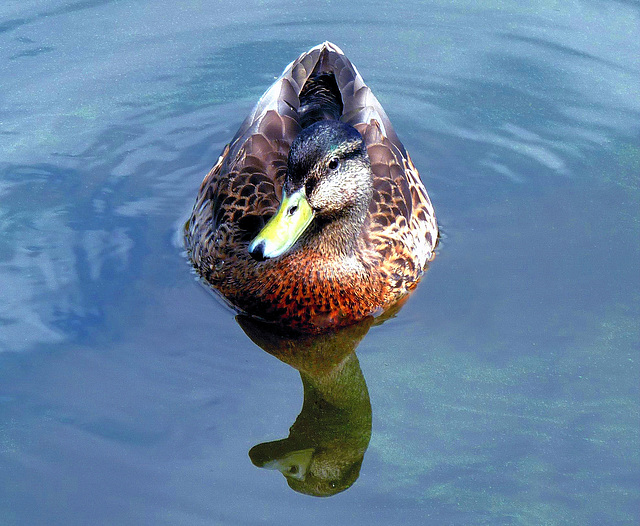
{"x": 314, "y": 217}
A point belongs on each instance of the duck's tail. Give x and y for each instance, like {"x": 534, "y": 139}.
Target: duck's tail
{"x": 320, "y": 84}
{"x": 320, "y": 99}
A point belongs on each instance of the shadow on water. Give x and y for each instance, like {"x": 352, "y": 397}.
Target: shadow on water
{"x": 326, "y": 444}
{"x": 325, "y": 448}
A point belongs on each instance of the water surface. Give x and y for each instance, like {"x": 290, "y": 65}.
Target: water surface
{"x": 506, "y": 390}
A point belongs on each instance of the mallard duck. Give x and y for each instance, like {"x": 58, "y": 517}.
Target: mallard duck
{"x": 314, "y": 216}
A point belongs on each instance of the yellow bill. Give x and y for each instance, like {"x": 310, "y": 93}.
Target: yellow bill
{"x": 283, "y": 229}
{"x": 294, "y": 464}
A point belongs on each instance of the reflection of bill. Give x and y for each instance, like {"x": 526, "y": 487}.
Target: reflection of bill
{"x": 324, "y": 450}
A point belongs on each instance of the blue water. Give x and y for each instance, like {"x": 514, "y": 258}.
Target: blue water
{"x": 505, "y": 392}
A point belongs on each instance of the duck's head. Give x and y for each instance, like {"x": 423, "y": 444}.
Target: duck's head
{"x": 326, "y": 192}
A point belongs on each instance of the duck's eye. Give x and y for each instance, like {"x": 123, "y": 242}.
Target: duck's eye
{"x": 334, "y": 163}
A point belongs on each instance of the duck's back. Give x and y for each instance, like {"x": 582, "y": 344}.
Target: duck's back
{"x": 244, "y": 188}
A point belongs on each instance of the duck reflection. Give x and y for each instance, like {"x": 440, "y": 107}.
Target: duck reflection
{"x": 326, "y": 444}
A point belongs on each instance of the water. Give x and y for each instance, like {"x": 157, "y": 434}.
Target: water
{"x": 506, "y": 390}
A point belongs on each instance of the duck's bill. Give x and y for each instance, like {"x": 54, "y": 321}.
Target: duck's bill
{"x": 293, "y": 465}
{"x": 283, "y": 229}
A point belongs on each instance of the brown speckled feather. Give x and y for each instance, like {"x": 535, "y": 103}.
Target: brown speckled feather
{"x": 311, "y": 291}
